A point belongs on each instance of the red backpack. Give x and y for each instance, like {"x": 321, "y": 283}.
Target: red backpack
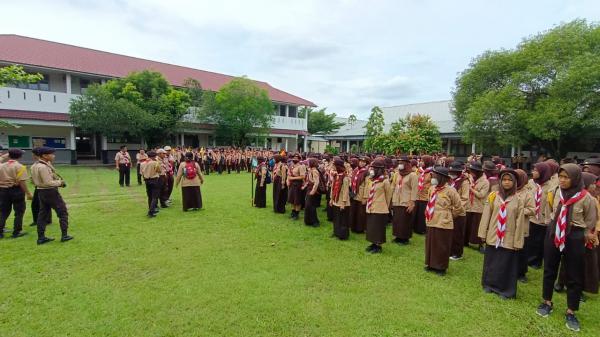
{"x": 190, "y": 170}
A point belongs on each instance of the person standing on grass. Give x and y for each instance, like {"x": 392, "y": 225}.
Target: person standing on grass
{"x": 123, "y": 165}
{"x": 460, "y": 182}
{"x": 47, "y": 182}
{"x": 35, "y": 201}
{"x": 295, "y": 180}
{"x": 166, "y": 174}
{"x": 424, "y": 173}
{"x": 311, "y": 187}
{"x": 502, "y": 229}
{"x": 379, "y": 196}
{"x": 538, "y": 223}
{"x": 260, "y": 192}
{"x": 524, "y": 193}
{"x": 340, "y": 201}
{"x": 190, "y": 177}
{"x": 13, "y": 189}
{"x": 140, "y": 157}
{"x": 280, "y": 190}
{"x": 151, "y": 171}
{"x": 478, "y": 191}
{"x": 405, "y": 187}
{"x": 572, "y": 224}
{"x": 443, "y": 206}
{"x": 358, "y": 217}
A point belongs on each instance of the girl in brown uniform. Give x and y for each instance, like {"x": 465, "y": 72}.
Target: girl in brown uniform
{"x": 524, "y": 193}
{"x": 575, "y": 217}
{"x": 460, "y": 182}
{"x": 279, "y": 184}
{"x": 311, "y": 186}
{"x": 538, "y": 223}
{"x": 424, "y": 179}
{"x": 404, "y": 197}
{"x": 379, "y": 195}
{"x": 358, "y": 217}
{"x": 295, "y": 180}
{"x": 260, "y": 194}
{"x": 501, "y": 228}
{"x": 443, "y": 206}
{"x": 190, "y": 177}
{"x": 478, "y": 192}
{"x": 340, "y": 201}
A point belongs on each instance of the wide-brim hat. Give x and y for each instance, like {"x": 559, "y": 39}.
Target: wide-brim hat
{"x": 456, "y": 166}
{"x": 475, "y": 166}
{"x": 592, "y": 161}
{"x": 443, "y": 171}
{"x": 489, "y": 166}
{"x": 404, "y": 159}
{"x": 378, "y": 163}
{"x": 46, "y": 150}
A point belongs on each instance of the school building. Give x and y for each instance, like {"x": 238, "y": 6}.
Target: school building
{"x": 41, "y": 110}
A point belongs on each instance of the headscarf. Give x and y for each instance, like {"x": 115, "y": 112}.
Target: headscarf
{"x": 554, "y": 167}
{"x": 588, "y": 179}
{"x": 545, "y": 173}
{"x": 574, "y": 173}
{"x": 521, "y": 179}
{"x": 504, "y": 194}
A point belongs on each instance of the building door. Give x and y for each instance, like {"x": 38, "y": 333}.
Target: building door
{"x": 85, "y": 145}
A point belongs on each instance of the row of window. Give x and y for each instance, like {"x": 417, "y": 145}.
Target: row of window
{"x": 44, "y": 84}
{"x": 279, "y": 110}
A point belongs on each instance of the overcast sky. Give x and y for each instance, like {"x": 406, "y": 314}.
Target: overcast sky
{"x": 346, "y": 55}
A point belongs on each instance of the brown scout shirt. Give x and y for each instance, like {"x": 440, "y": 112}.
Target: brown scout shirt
{"x": 482, "y": 187}
{"x": 447, "y": 207}
{"x": 528, "y": 200}
{"x": 381, "y": 198}
{"x": 402, "y": 196}
{"x": 463, "y": 192}
{"x": 150, "y": 169}
{"x": 43, "y": 176}
{"x": 313, "y": 181}
{"x": 423, "y": 194}
{"x": 514, "y": 237}
{"x": 12, "y": 173}
{"x": 545, "y": 207}
{"x": 344, "y": 198}
{"x": 123, "y": 158}
{"x": 584, "y": 213}
{"x": 185, "y": 182}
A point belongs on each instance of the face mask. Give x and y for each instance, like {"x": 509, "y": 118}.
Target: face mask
{"x": 453, "y": 176}
{"x": 371, "y": 173}
{"x": 401, "y": 167}
{"x": 434, "y": 182}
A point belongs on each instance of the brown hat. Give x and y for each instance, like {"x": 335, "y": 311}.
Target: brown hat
{"x": 489, "y": 166}
{"x": 476, "y": 166}
{"x": 378, "y": 163}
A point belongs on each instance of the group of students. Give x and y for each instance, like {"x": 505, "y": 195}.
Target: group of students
{"x": 45, "y": 198}
{"x": 548, "y": 219}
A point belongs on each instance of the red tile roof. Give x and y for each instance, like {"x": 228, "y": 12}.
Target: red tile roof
{"x": 35, "y": 52}
{"x": 36, "y": 115}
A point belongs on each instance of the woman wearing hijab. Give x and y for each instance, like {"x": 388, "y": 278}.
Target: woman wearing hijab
{"x": 279, "y": 186}
{"x": 295, "y": 181}
{"x": 478, "y": 191}
{"x": 190, "y": 177}
{"x": 575, "y": 217}
{"x": 311, "y": 187}
{"x": 443, "y": 206}
{"x": 379, "y": 195}
{"x": 460, "y": 182}
{"x": 404, "y": 185}
{"x": 541, "y": 187}
{"x": 260, "y": 193}
{"x": 340, "y": 201}
{"x": 424, "y": 182}
{"x": 501, "y": 228}
{"x": 526, "y": 195}
{"x": 358, "y": 217}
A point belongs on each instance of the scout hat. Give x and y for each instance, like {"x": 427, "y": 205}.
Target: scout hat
{"x": 378, "y": 163}
{"x": 456, "y": 166}
{"x": 151, "y": 154}
{"x": 475, "y": 166}
{"x": 592, "y": 161}
{"x": 443, "y": 171}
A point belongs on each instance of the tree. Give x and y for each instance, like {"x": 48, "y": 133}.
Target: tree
{"x": 319, "y": 121}
{"x": 241, "y": 111}
{"x": 142, "y": 104}
{"x": 546, "y": 90}
{"x": 14, "y": 75}
{"x": 352, "y": 120}
{"x": 414, "y": 134}
{"x": 375, "y": 139}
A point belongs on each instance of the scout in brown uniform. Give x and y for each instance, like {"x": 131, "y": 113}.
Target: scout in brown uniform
{"x": 424, "y": 174}
{"x": 47, "y": 182}
{"x": 524, "y": 193}
{"x": 358, "y": 216}
{"x": 502, "y": 230}
{"x": 13, "y": 189}
{"x": 151, "y": 170}
{"x": 140, "y": 157}
{"x": 405, "y": 186}
{"x": 460, "y": 182}
{"x": 295, "y": 181}
{"x": 123, "y": 165}
{"x": 190, "y": 177}
{"x": 35, "y": 201}
{"x": 379, "y": 196}
{"x": 311, "y": 187}
{"x": 491, "y": 173}
{"x": 541, "y": 187}
{"x": 166, "y": 177}
{"x": 443, "y": 206}
{"x": 260, "y": 193}
{"x": 340, "y": 201}
{"x": 575, "y": 218}
{"x": 280, "y": 191}
{"x": 478, "y": 191}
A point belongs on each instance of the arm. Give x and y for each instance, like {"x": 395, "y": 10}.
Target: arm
{"x": 481, "y": 189}
{"x": 263, "y": 175}
{"x": 387, "y": 189}
{"x": 519, "y": 237}
{"x": 117, "y": 157}
{"x": 179, "y": 174}
{"x": 315, "y": 178}
{"x": 457, "y": 205}
{"x": 200, "y": 175}
{"x": 485, "y": 221}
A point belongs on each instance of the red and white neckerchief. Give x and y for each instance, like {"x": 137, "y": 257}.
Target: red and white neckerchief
{"x": 538, "y": 200}
{"x": 372, "y": 191}
{"x": 357, "y": 172}
{"x": 430, "y": 209}
{"x": 561, "y": 223}
{"x": 400, "y": 180}
{"x": 471, "y": 193}
{"x": 501, "y": 224}
{"x": 422, "y": 173}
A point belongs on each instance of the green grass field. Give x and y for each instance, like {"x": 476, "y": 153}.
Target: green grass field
{"x": 233, "y": 270}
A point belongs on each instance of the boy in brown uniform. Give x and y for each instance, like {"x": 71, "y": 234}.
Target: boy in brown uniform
{"x": 47, "y": 182}
{"x": 151, "y": 170}
{"x": 140, "y": 157}
{"x": 13, "y": 189}
{"x": 123, "y": 165}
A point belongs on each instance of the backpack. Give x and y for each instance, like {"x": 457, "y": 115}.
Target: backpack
{"x": 268, "y": 177}
{"x": 322, "y": 182}
{"x": 190, "y": 170}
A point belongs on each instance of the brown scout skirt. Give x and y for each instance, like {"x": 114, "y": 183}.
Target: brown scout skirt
{"x": 500, "y": 271}
{"x": 472, "y": 228}
{"x": 458, "y": 236}
{"x": 358, "y": 216}
{"x": 191, "y": 197}
{"x": 295, "y": 193}
{"x": 437, "y": 248}
{"x": 402, "y": 223}
{"x": 376, "y": 224}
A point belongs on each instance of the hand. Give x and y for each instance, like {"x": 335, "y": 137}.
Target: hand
{"x": 312, "y": 193}
{"x": 29, "y": 196}
{"x": 590, "y": 236}
{"x": 410, "y": 208}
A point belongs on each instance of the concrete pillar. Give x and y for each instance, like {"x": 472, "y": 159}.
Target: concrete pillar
{"x": 266, "y": 142}
{"x": 348, "y": 146}
{"x": 512, "y": 151}
{"x": 286, "y": 145}
{"x": 73, "y": 147}
{"x": 473, "y": 148}
{"x": 104, "y": 153}
{"x": 68, "y": 83}
{"x": 449, "y": 146}
{"x": 182, "y": 140}
{"x": 287, "y": 111}
{"x": 304, "y": 145}
{"x": 214, "y": 142}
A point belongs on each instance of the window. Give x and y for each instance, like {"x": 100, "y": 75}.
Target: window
{"x": 282, "y": 110}
{"x": 43, "y": 84}
{"x": 293, "y": 111}
{"x": 279, "y": 140}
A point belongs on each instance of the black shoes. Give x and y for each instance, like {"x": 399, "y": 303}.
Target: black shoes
{"x": 18, "y": 235}
{"x": 571, "y": 322}
{"x": 544, "y": 309}
{"x": 523, "y": 279}
{"x": 376, "y": 250}
{"x": 44, "y": 240}
{"x": 66, "y": 238}
{"x": 402, "y": 242}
